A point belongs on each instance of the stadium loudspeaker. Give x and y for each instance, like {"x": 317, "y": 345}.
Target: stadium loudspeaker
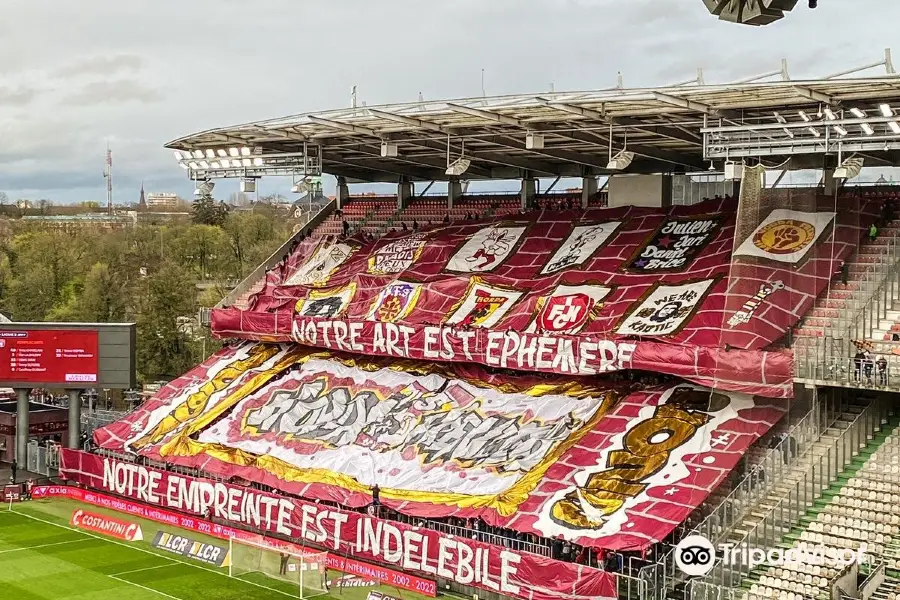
{"x": 534, "y": 141}
{"x": 734, "y": 171}
{"x": 248, "y": 186}
{"x": 388, "y": 150}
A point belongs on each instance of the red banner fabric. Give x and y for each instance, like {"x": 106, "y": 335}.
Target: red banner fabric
{"x": 465, "y": 561}
{"x": 375, "y": 573}
{"x": 571, "y": 292}
{"x": 549, "y": 463}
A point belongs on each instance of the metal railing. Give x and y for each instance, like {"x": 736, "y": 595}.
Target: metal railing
{"x": 880, "y": 287}
{"x": 831, "y": 360}
{"x": 758, "y": 483}
{"x": 663, "y": 576}
{"x": 260, "y": 271}
{"x": 778, "y": 520}
{"x": 91, "y": 420}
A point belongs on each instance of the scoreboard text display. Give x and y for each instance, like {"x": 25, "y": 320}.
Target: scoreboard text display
{"x": 71, "y": 356}
{"x": 49, "y": 356}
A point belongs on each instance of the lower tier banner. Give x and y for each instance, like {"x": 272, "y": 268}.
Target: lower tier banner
{"x": 427, "y": 552}
{"x": 357, "y": 570}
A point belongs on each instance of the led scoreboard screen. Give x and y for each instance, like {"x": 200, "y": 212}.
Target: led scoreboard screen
{"x": 49, "y": 356}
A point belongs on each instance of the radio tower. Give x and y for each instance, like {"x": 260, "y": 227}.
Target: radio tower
{"x": 107, "y": 174}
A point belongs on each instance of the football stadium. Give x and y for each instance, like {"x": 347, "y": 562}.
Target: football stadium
{"x": 676, "y": 379}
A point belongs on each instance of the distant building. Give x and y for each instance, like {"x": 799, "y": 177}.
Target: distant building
{"x": 163, "y": 202}
{"x": 73, "y": 222}
{"x": 142, "y": 203}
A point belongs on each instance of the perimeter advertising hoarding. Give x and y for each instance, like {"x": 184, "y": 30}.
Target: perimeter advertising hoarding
{"x": 67, "y": 355}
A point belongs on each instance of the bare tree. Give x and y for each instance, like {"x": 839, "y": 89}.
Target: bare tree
{"x": 4, "y": 198}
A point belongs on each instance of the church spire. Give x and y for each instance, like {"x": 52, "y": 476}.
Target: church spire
{"x": 143, "y": 202}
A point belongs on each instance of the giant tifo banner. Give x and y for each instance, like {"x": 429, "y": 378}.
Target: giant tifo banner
{"x": 611, "y": 466}
{"x": 465, "y": 561}
{"x": 575, "y": 293}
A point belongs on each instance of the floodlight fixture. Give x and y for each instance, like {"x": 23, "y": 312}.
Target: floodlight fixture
{"x": 867, "y": 128}
{"x": 246, "y": 162}
{"x": 222, "y": 152}
{"x": 459, "y": 166}
{"x": 859, "y": 114}
{"x": 179, "y": 156}
{"x": 849, "y": 169}
{"x": 210, "y": 153}
{"x": 215, "y": 165}
{"x": 204, "y": 164}
{"x": 192, "y": 165}
{"x": 620, "y": 161}
{"x": 234, "y": 152}
{"x": 245, "y": 151}
{"x": 886, "y": 110}
{"x": 806, "y": 118}
{"x": 830, "y": 114}
{"x": 895, "y": 126}
{"x": 198, "y": 153}
{"x": 815, "y": 132}
{"x": 183, "y": 166}
{"x": 840, "y": 130}
{"x": 257, "y": 162}
{"x": 779, "y": 118}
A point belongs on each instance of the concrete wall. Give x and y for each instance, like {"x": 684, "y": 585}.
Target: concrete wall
{"x": 640, "y": 190}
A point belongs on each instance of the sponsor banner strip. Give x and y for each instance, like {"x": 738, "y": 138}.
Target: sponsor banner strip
{"x": 182, "y": 546}
{"x": 464, "y": 561}
{"x": 110, "y": 526}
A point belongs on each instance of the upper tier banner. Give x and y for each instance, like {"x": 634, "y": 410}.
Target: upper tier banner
{"x": 612, "y": 466}
{"x": 602, "y": 289}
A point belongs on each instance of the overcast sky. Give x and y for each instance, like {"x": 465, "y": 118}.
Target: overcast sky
{"x": 74, "y": 74}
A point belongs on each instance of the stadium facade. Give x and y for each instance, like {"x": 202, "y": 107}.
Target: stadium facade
{"x": 539, "y": 394}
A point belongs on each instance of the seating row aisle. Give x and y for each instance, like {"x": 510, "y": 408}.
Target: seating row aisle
{"x": 860, "y": 516}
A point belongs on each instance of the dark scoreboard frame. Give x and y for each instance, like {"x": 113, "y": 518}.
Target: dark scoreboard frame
{"x": 115, "y": 355}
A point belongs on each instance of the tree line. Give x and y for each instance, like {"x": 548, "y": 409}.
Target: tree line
{"x": 147, "y": 274}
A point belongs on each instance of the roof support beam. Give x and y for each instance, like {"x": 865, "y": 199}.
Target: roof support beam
{"x": 572, "y": 109}
{"x": 486, "y": 115}
{"x": 566, "y": 155}
{"x": 814, "y": 95}
{"x": 344, "y": 126}
{"x": 380, "y": 167}
{"x": 419, "y": 123}
{"x": 421, "y": 161}
{"x": 684, "y": 103}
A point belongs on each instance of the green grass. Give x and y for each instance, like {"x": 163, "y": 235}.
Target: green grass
{"x": 43, "y": 558}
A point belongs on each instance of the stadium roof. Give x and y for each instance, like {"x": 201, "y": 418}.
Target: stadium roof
{"x": 667, "y": 128}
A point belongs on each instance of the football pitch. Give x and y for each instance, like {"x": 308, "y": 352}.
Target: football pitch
{"x": 43, "y": 558}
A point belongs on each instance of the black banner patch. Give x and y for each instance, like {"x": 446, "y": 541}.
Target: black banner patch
{"x": 182, "y": 546}
{"x": 674, "y": 245}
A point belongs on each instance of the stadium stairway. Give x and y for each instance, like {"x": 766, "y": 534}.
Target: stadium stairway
{"x": 856, "y": 509}
{"x": 776, "y": 514}
{"x": 834, "y": 311}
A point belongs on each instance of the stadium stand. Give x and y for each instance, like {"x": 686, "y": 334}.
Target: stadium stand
{"x": 583, "y": 389}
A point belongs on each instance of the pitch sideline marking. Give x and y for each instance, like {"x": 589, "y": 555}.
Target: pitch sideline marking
{"x": 21, "y": 548}
{"x": 171, "y": 560}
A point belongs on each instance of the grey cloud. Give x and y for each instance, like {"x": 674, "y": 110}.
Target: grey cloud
{"x": 113, "y": 92}
{"x": 17, "y": 96}
{"x": 100, "y": 65}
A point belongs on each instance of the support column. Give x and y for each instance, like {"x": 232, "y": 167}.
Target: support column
{"x": 22, "y": 424}
{"x": 74, "y": 419}
{"x": 528, "y": 190}
{"x": 589, "y": 187}
{"x": 829, "y": 182}
{"x": 454, "y": 192}
{"x": 404, "y": 193}
{"x": 342, "y": 193}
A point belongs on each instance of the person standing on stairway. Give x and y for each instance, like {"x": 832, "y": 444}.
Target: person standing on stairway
{"x": 873, "y": 232}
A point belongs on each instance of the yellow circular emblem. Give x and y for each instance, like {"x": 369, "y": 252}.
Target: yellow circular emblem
{"x": 785, "y": 236}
